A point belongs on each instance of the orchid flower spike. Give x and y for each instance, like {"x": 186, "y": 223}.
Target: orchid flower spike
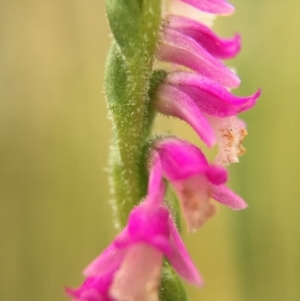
{"x": 195, "y": 181}
{"x": 130, "y": 268}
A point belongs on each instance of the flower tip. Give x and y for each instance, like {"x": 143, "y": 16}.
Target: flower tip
{"x": 229, "y": 79}
{"x": 197, "y": 280}
{"x": 224, "y": 7}
{"x": 200, "y": 283}
{"x": 73, "y": 293}
{"x": 89, "y": 270}
{"x": 227, "y": 197}
{"x": 257, "y": 94}
{"x": 210, "y": 141}
{"x": 242, "y": 206}
{"x": 237, "y": 37}
{"x": 67, "y": 290}
{"x": 251, "y": 100}
{"x": 237, "y": 42}
{"x": 229, "y": 9}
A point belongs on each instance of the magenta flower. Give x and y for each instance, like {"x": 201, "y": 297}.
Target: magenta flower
{"x": 178, "y": 48}
{"x": 210, "y": 97}
{"x": 194, "y": 180}
{"x": 130, "y": 268}
{"x": 205, "y": 106}
{"x": 190, "y": 44}
{"x": 204, "y": 36}
{"x": 171, "y": 101}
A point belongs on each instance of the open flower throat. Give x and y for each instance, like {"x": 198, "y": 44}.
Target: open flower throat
{"x": 196, "y": 89}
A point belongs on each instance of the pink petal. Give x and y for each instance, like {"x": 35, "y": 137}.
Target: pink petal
{"x": 181, "y": 260}
{"x": 92, "y": 289}
{"x": 195, "y": 194}
{"x": 156, "y": 187}
{"x": 107, "y": 262}
{"x": 227, "y": 197}
{"x": 180, "y": 159}
{"x": 209, "y": 96}
{"x": 173, "y": 102}
{"x": 182, "y": 50}
{"x": 158, "y": 241}
{"x": 139, "y": 276}
{"x": 219, "y": 7}
{"x": 146, "y": 225}
{"x": 143, "y": 223}
{"x": 220, "y": 48}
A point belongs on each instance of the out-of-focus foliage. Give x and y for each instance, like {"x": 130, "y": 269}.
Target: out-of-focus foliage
{"x": 54, "y": 138}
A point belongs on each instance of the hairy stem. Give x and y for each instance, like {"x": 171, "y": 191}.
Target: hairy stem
{"x": 128, "y": 74}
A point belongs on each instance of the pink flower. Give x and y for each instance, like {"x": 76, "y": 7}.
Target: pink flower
{"x": 130, "y": 268}
{"x": 190, "y": 44}
{"x": 204, "y": 36}
{"x": 181, "y": 49}
{"x": 205, "y": 105}
{"x": 210, "y": 97}
{"x": 194, "y": 179}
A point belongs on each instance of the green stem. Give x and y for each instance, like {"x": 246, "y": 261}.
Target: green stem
{"x": 128, "y": 74}
{"x": 127, "y": 111}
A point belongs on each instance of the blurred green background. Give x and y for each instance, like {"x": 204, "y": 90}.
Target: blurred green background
{"x": 54, "y": 138}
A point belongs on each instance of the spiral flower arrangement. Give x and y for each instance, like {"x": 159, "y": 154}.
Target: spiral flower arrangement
{"x": 145, "y": 260}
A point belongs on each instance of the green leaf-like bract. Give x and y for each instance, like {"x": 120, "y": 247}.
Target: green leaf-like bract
{"x": 171, "y": 288}
{"x": 124, "y": 17}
